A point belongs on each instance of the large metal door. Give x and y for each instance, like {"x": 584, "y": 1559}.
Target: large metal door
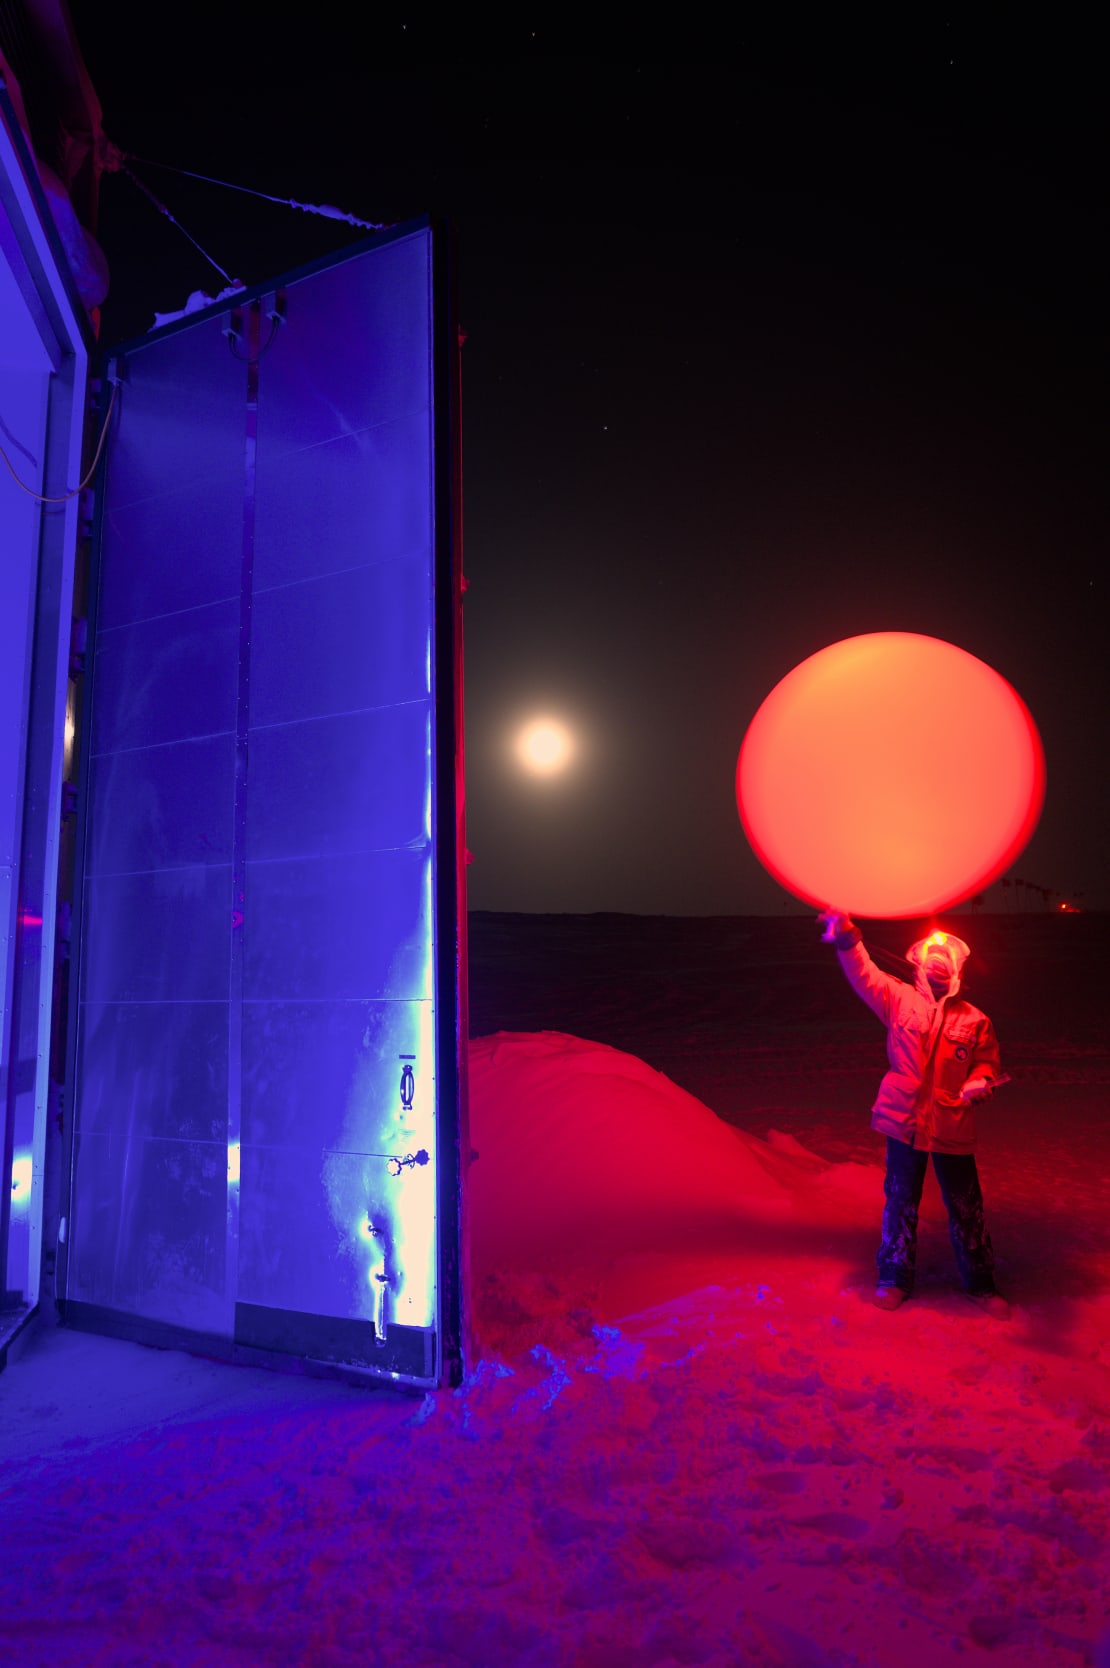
{"x": 44, "y": 345}
{"x": 267, "y": 1115}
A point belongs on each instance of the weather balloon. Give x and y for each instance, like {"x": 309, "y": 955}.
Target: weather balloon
{"x": 890, "y": 775}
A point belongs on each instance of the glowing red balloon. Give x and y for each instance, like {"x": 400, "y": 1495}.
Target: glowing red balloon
{"x": 890, "y": 775}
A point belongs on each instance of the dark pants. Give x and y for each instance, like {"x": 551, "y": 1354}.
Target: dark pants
{"x": 963, "y": 1198}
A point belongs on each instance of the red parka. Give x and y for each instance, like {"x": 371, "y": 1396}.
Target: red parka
{"x": 933, "y": 1048}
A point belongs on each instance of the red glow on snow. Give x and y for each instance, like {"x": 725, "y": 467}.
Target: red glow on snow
{"x": 30, "y": 920}
{"x": 890, "y": 775}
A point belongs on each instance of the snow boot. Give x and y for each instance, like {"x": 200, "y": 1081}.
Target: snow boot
{"x": 889, "y": 1297}
{"x": 992, "y": 1304}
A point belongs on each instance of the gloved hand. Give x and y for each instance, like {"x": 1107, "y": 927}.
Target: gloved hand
{"x": 834, "y": 923}
{"x": 976, "y": 1088}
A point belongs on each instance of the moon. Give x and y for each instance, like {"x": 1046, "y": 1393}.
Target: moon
{"x": 545, "y": 747}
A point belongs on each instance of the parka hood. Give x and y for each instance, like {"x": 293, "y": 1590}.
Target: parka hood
{"x": 940, "y": 951}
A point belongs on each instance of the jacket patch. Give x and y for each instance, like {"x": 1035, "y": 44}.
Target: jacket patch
{"x": 961, "y": 1051}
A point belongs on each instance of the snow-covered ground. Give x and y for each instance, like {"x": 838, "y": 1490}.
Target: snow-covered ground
{"x": 686, "y": 1437}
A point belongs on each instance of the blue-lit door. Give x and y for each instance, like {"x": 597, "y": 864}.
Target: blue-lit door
{"x": 267, "y": 1115}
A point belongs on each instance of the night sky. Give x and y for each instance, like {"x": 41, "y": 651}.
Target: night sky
{"x": 771, "y": 341}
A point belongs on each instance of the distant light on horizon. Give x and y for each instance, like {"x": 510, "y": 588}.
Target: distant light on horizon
{"x": 545, "y": 747}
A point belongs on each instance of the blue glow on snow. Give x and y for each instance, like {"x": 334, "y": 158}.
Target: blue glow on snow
{"x": 21, "y": 1181}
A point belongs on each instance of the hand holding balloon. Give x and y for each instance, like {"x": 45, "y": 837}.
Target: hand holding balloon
{"x": 835, "y": 922}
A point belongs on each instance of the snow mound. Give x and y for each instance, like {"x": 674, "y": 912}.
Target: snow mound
{"x": 583, "y": 1149}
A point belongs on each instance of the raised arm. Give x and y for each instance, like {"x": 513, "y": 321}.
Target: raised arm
{"x": 870, "y": 985}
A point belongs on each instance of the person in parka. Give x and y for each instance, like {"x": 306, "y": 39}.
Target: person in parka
{"x": 943, "y": 1058}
